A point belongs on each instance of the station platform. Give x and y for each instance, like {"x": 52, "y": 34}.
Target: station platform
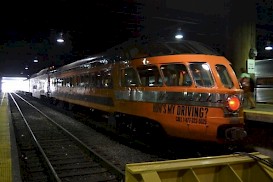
{"x": 9, "y": 163}
{"x": 263, "y": 113}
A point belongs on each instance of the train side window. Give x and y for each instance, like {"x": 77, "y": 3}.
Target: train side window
{"x": 82, "y": 82}
{"x": 98, "y": 81}
{"x": 86, "y": 80}
{"x": 53, "y": 82}
{"x": 68, "y": 82}
{"x": 201, "y": 73}
{"x": 59, "y": 82}
{"x": 106, "y": 78}
{"x": 129, "y": 77}
{"x": 73, "y": 81}
{"x": 92, "y": 81}
{"x": 78, "y": 81}
{"x": 176, "y": 75}
{"x": 65, "y": 82}
{"x": 150, "y": 76}
{"x": 224, "y": 76}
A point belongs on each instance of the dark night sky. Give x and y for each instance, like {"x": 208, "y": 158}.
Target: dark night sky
{"x": 29, "y": 28}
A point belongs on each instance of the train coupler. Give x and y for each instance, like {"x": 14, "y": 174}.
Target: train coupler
{"x": 235, "y": 133}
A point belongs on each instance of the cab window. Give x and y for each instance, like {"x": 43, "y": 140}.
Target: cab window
{"x": 201, "y": 74}
{"x": 224, "y": 76}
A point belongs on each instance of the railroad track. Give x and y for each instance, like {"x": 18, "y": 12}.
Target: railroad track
{"x": 49, "y": 152}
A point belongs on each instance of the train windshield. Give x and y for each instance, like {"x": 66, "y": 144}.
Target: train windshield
{"x": 201, "y": 74}
{"x": 224, "y": 76}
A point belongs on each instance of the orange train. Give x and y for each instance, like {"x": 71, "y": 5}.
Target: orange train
{"x": 179, "y": 89}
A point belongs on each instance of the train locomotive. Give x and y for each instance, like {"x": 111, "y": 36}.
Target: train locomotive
{"x": 178, "y": 89}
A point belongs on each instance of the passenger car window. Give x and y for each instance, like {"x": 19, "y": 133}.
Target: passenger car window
{"x": 149, "y": 76}
{"x": 129, "y": 77}
{"x": 201, "y": 73}
{"x": 106, "y": 78}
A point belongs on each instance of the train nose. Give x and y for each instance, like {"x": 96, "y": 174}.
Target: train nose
{"x": 235, "y": 133}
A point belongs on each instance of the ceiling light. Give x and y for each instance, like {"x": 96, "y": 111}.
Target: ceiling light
{"x": 268, "y": 46}
{"x": 60, "y": 39}
{"x": 179, "y": 34}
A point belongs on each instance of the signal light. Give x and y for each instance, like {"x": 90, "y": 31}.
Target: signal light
{"x": 233, "y": 103}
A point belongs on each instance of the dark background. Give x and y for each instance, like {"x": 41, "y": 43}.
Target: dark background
{"x": 29, "y": 28}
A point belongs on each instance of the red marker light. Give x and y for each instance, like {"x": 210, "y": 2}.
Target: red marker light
{"x": 233, "y": 103}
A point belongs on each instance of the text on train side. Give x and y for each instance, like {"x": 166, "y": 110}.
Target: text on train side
{"x": 188, "y": 114}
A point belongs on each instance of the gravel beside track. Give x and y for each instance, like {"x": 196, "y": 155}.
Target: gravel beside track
{"x": 120, "y": 154}
{"x": 63, "y": 155}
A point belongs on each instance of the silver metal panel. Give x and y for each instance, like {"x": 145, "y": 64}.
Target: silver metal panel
{"x": 263, "y": 79}
{"x": 264, "y": 68}
{"x": 264, "y": 95}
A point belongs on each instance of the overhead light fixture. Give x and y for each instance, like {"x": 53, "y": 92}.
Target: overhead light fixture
{"x": 179, "y": 34}
{"x": 60, "y": 39}
{"x": 268, "y": 46}
{"x": 35, "y": 60}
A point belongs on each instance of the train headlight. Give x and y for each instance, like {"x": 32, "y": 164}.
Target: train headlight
{"x": 233, "y": 103}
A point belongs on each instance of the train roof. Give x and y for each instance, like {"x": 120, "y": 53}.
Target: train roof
{"x": 42, "y": 72}
{"x": 149, "y": 47}
{"x": 138, "y": 48}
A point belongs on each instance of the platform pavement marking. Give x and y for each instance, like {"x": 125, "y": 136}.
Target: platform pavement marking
{"x": 258, "y": 112}
{"x": 5, "y": 147}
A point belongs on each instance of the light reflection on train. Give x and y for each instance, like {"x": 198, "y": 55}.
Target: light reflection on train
{"x": 177, "y": 89}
